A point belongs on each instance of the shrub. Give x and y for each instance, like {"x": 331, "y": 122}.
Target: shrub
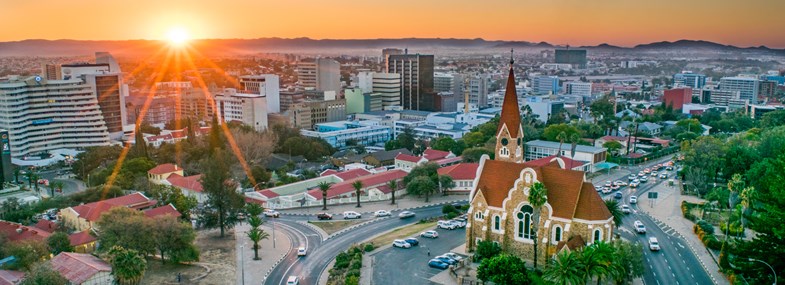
{"x": 686, "y": 210}
{"x": 451, "y": 215}
{"x": 353, "y": 280}
{"x": 706, "y": 227}
{"x": 369, "y": 247}
{"x": 356, "y": 264}
{"x": 735, "y": 229}
{"x": 342, "y": 260}
{"x": 353, "y": 272}
{"x": 486, "y": 249}
{"x": 446, "y": 209}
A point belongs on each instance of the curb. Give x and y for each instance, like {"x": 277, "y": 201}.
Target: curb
{"x": 266, "y": 274}
{"x": 318, "y": 230}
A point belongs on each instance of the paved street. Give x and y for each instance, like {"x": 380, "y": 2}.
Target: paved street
{"x": 390, "y": 263}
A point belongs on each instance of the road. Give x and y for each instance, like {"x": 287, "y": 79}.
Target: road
{"x": 320, "y": 253}
{"x": 389, "y": 263}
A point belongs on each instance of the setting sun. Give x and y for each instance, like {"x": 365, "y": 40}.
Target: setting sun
{"x": 177, "y": 36}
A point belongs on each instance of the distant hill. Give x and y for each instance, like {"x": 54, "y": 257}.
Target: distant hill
{"x": 338, "y": 46}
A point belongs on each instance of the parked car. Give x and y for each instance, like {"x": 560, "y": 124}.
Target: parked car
{"x": 644, "y": 179}
{"x": 599, "y": 187}
{"x": 301, "y": 251}
{"x": 654, "y": 245}
{"x": 626, "y": 209}
{"x": 401, "y": 243}
{"x": 454, "y": 256}
{"x": 430, "y": 234}
{"x": 653, "y": 174}
{"x": 406, "y": 214}
{"x": 606, "y": 190}
{"x": 382, "y": 213}
{"x": 647, "y": 170}
{"x": 632, "y": 177}
{"x": 351, "y": 215}
{"x": 412, "y": 241}
{"x": 324, "y": 216}
{"x": 639, "y": 227}
{"x": 615, "y": 187}
{"x": 633, "y": 199}
{"x": 447, "y": 225}
{"x": 241, "y": 216}
{"x": 669, "y": 168}
{"x": 271, "y": 213}
{"x": 663, "y": 175}
{"x": 617, "y": 195}
{"x": 436, "y": 263}
{"x": 608, "y": 183}
{"x": 461, "y": 223}
{"x": 293, "y": 280}
{"x": 446, "y": 259}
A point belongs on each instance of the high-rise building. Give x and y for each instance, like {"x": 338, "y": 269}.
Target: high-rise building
{"x": 322, "y": 74}
{"x": 676, "y": 98}
{"x": 6, "y": 169}
{"x": 416, "y": 73}
{"x": 386, "y": 53}
{"x": 44, "y": 115}
{"x": 747, "y": 87}
{"x": 542, "y": 85}
{"x": 358, "y": 101}
{"x": 574, "y": 57}
{"x": 478, "y": 90}
{"x": 578, "y": 88}
{"x": 249, "y": 109}
{"x": 290, "y": 97}
{"x": 364, "y": 81}
{"x": 719, "y": 97}
{"x": 51, "y": 71}
{"x": 310, "y": 113}
{"x": 389, "y": 86}
{"x": 767, "y": 89}
{"x": 266, "y": 85}
{"x": 448, "y": 82}
{"x": 689, "y": 79}
{"x": 446, "y": 102}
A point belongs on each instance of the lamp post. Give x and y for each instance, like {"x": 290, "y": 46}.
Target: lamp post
{"x": 772, "y": 268}
{"x": 242, "y": 262}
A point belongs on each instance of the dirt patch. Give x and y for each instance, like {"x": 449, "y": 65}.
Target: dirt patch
{"x": 215, "y": 252}
{"x": 334, "y": 226}
{"x": 403, "y": 232}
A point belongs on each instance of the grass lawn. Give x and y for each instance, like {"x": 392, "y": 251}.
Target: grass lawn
{"x": 331, "y": 227}
{"x": 402, "y": 232}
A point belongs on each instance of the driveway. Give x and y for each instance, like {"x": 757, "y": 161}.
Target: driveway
{"x": 410, "y": 266}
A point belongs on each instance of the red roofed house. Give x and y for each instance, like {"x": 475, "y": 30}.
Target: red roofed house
{"x": 462, "y": 174}
{"x": 80, "y": 268}
{"x": 406, "y": 162}
{"x": 348, "y": 174}
{"x": 500, "y": 210}
{"x": 16, "y": 232}
{"x": 374, "y": 188}
{"x": 46, "y": 225}
{"x": 443, "y": 158}
{"x": 160, "y": 173}
{"x": 189, "y": 185}
{"x": 83, "y": 217}
{"x": 167, "y": 209}
{"x": 10, "y": 277}
{"x": 83, "y": 242}
{"x": 432, "y": 154}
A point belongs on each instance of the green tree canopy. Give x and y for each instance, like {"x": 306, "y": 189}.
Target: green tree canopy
{"x": 128, "y": 265}
{"x": 42, "y": 273}
{"x": 474, "y": 154}
{"x": 58, "y": 242}
{"x": 504, "y": 269}
{"x": 552, "y": 132}
{"x": 224, "y": 202}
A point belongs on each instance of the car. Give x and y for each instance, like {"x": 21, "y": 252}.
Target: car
{"x": 447, "y": 225}
{"x": 626, "y": 209}
{"x": 621, "y": 183}
{"x": 617, "y": 195}
{"x": 633, "y": 199}
{"x": 663, "y": 175}
{"x": 644, "y": 179}
{"x": 412, "y": 241}
{"x": 401, "y": 243}
{"x": 641, "y": 174}
{"x": 293, "y": 280}
{"x": 606, "y": 190}
{"x": 324, "y": 216}
{"x": 406, "y": 214}
{"x": 608, "y": 183}
{"x": 272, "y": 213}
{"x": 382, "y": 213}
{"x": 461, "y": 223}
{"x": 430, "y": 234}
{"x": 599, "y": 187}
{"x": 669, "y": 168}
{"x": 632, "y": 177}
{"x": 647, "y": 171}
{"x": 615, "y": 187}
{"x": 352, "y": 215}
{"x": 454, "y": 256}
{"x": 446, "y": 259}
{"x": 654, "y": 245}
{"x": 301, "y": 251}
{"x": 639, "y": 227}
{"x": 437, "y": 263}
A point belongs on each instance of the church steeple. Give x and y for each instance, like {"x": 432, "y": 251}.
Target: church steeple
{"x": 509, "y": 136}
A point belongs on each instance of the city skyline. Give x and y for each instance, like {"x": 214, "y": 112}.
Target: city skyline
{"x": 614, "y": 22}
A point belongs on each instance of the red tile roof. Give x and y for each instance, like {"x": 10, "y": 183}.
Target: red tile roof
{"x": 93, "y": 211}
{"x": 369, "y": 181}
{"x": 328, "y": 172}
{"x": 432, "y": 154}
{"x": 406, "y": 157}
{"x": 191, "y": 183}
{"x": 354, "y": 173}
{"x": 569, "y": 163}
{"x": 78, "y": 267}
{"x": 167, "y": 209}
{"x": 18, "y": 232}
{"x": 81, "y": 238}
{"x": 445, "y": 161}
{"x": 10, "y": 277}
{"x": 511, "y": 114}
{"x": 575, "y": 243}
{"x": 164, "y": 168}
{"x": 268, "y": 193}
{"x": 46, "y": 225}
{"x": 461, "y": 171}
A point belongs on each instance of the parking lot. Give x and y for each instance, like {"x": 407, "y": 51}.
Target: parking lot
{"x": 410, "y": 266}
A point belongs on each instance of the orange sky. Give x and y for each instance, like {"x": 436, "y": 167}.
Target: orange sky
{"x": 574, "y": 22}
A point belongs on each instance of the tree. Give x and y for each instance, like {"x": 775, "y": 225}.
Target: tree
{"x": 17, "y": 171}
{"x": 167, "y": 194}
{"x": 503, "y": 269}
{"x": 628, "y": 260}
{"x": 393, "y": 184}
{"x": 538, "y": 196}
{"x": 552, "y": 132}
{"x": 58, "y": 242}
{"x": 487, "y": 249}
{"x": 42, "y": 273}
{"x": 140, "y": 144}
{"x": 446, "y": 183}
{"x": 324, "y": 186}
{"x": 174, "y": 239}
{"x": 358, "y": 187}
{"x": 128, "y": 265}
{"x": 253, "y": 209}
{"x": 443, "y": 143}
{"x": 27, "y": 253}
{"x": 773, "y": 119}
{"x": 471, "y": 155}
{"x": 565, "y": 269}
{"x": 594, "y": 260}
{"x": 127, "y": 228}
{"x": 421, "y": 185}
{"x": 602, "y": 107}
{"x": 474, "y": 139}
{"x": 215, "y": 137}
{"x": 223, "y": 201}
{"x": 255, "y": 147}
{"x": 706, "y": 156}
{"x": 612, "y": 146}
{"x": 256, "y": 234}
{"x": 615, "y": 209}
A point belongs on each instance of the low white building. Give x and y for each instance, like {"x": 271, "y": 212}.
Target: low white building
{"x": 249, "y": 109}
{"x": 587, "y": 154}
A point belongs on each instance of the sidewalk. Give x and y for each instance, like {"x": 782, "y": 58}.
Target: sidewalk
{"x": 401, "y": 203}
{"x": 667, "y": 209}
{"x": 257, "y": 270}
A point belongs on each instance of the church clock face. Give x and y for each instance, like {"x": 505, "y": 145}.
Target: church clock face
{"x": 505, "y": 141}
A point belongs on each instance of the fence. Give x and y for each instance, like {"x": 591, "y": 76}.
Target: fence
{"x": 637, "y": 160}
{"x": 283, "y": 204}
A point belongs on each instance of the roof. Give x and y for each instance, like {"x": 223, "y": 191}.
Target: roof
{"x": 10, "y": 277}
{"x": 46, "y": 225}
{"x": 167, "y": 209}
{"x": 269, "y": 193}
{"x": 576, "y": 242}
{"x": 353, "y": 173}
{"x": 555, "y": 145}
{"x": 164, "y": 169}
{"x": 191, "y": 183}
{"x": 460, "y": 171}
{"x": 445, "y": 161}
{"x": 432, "y": 154}
{"x": 406, "y": 157}
{"x": 372, "y": 180}
{"x": 93, "y": 211}
{"x": 568, "y": 194}
{"x": 511, "y": 113}
{"x": 388, "y": 154}
{"x": 78, "y": 267}
{"x": 18, "y": 232}
{"x": 81, "y": 238}
{"x": 570, "y": 163}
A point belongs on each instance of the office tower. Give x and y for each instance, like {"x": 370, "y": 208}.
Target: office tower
{"x": 249, "y": 109}
{"x": 386, "y": 53}
{"x": 110, "y": 91}
{"x": 543, "y": 85}
{"x": 578, "y": 88}
{"x": 290, "y": 97}
{"x": 51, "y": 71}
{"x": 307, "y": 114}
{"x": 767, "y": 89}
{"x": 747, "y": 87}
{"x": 358, "y": 101}
{"x": 322, "y": 74}
{"x": 266, "y": 85}
{"x": 448, "y": 82}
{"x": 446, "y": 102}
{"x": 478, "y": 90}
{"x": 389, "y": 86}
{"x": 45, "y": 115}
{"x": 676, "y": 98}
{"x": 6, "y": 169}
{"x": 719, "y": 97}
{"x": 575, "y": 57}
{"x": 689, "y": 79}
{"x": 103, "y": 57}
{"x": 416, "y": 72}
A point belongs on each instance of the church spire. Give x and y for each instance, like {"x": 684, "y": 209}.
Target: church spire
{"x": 511, "y": 113}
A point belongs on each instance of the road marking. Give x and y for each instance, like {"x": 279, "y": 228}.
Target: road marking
{"x": 679, "y": 244}
{"x": 669, "y": 267}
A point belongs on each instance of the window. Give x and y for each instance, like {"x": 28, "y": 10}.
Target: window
{"x": 497, "y": 223}
{"x": 504, "y": 152}
{"x": 524, "y": 217}
{"x": 479, "y": 215}
{"x": 556, "y": 234}
{"x": 597, "y": 235}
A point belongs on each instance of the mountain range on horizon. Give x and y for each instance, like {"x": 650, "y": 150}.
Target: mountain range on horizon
{"x": 37, "y": 47}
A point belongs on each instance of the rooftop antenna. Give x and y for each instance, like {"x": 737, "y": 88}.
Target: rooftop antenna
{"x": 511, "y": 58}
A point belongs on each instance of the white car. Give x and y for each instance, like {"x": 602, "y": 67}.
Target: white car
{"x": 654, "y": 245}
{"x": 447, "y": 225}
{"x": 293, "y": 280}
{"x": 608, "y": 183}
{"x": 406, "y": 214}
{"x": 606, "y": 190}
{"x": 401, "y": 243}
{"x": 644, "y": 178}
{"x": 633, "y": 199}
{"x": 626, "y": 209}
{"x": 301, "y": 251}
{"x": 663, "y": 175}
{"x": 454, "y": 256}
{"x": 382, "y": 213}
{"x": 639, "y": 227}
{"x": 430, "y": 234}
{"x": 351, "y": 215}
{"x": 272, "y": 213}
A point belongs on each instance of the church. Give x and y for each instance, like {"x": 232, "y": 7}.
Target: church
{"x": 573, "y": 216}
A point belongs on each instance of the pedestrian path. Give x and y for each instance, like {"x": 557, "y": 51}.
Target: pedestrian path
{"x": 255, "y": 270}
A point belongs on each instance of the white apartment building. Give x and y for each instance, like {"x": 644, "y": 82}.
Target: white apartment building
{"x": 747, "y": 87}
{"x": 478, "y": 90}
{"x": 578, "y": 88}
{"x": 45, "y": 115}
{"x": 389, "y": 86}
{"x": 250, "y": 109}
{"x": 321, "y": 74}
{"x": 267, "y": 85}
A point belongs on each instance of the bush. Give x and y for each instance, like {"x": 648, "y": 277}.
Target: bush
{"x": 686, "y": 209}
{"x": 451, "y": 215}
{"x": 735, "y": 229}
{"x": 356, "y": 264}
{"x": 486, "y": 249}
{"x": 353, "y": 272}
{"x": 706, "y": 227}
{"x": 369, "y": 247}
{"x": 352, "y": 280}
{"x": 446, "y": 209}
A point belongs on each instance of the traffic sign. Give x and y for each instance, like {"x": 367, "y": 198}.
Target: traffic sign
{"x": 652, "y": 195}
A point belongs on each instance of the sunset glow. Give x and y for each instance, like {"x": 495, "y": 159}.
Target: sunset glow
{"x": 177, "y": 36}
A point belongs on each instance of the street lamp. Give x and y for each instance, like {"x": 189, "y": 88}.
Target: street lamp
{"x": 772, "y": 268}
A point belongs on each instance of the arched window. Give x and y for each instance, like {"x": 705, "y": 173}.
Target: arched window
{"x": 556, "y": 234}
{"x": 497, "y": 223}
{"x": 524, "y": 217}
{"x": 597, "y": 235}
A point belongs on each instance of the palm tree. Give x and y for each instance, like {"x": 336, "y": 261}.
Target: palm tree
{"x": 603, "y": 255}
{"x": 17, "y": 171}
{"x": 393, "y": 184}
{"x": 735, "y": 186}
{"x": 358, "y": 185}
{"x": 613, "y": 207}
{"x": 538, "y": 196}
{"x": 35, "y": 179}
{"x": 561, "y": 137}
{"x": 592, "y": 262}
{"x": 256, "y": 234}
{"x": 746, "y": 196}
{"x": 565, "y": 269}
{"x": 59, "y": 186}
{"x": 30, "y": 176}
{"x": 128, "y": 265}
{"x": 52, "y": 189}
{"x": 324, "y": 186}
